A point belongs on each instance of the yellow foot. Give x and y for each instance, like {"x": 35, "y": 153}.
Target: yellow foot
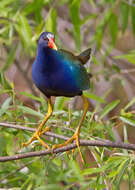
{"x": 74, "y": 137}
{"x": 35, "y": 136}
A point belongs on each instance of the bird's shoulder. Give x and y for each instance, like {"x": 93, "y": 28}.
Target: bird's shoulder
{"x": 81, "y": 58}
{"x": 68, "y": 55}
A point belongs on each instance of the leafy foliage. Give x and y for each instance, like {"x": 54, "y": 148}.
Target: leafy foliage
{"x": 21, "y": 22}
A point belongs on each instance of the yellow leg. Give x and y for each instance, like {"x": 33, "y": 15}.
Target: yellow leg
{"x": 39, "y": 132}
{"x": 77, "y": 132}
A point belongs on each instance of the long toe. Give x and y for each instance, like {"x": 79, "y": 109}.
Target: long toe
{"x": 74, "y": 137}
{"x": 34, "y": 137}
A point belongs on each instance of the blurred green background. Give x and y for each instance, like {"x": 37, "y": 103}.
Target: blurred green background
{"x": 108, "y": 27}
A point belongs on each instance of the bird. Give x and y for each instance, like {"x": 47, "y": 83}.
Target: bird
{"x": 58, "y": 72}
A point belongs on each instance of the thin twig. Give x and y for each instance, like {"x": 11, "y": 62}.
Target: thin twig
{"x": 67, "y": 148}
{"x": 51, "y": 134}
{"x": 100, "y": 143}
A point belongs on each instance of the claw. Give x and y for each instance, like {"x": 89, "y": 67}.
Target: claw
{"x": 77, "y": 133}
{"x": 74, "y": 137}
{"x": 39, "y": 130}
{"x": 35, "y": 136}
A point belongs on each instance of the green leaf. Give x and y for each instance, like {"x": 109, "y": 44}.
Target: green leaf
{"x": 29, "y": 8}
{"x": 85, "y": 19}
{"x": 94, "y": 60}
{"x": 130, "y": 57}
{"x": 90, "y": 171}
{"x": 74, "y": 8}
{"x": 10, "y": 58}
{"x": 74, "y": 11}
{"x": 5, "y": 3}
{"x": 129, "y": 104}
{"x": 100, "y": 28}
{"x": 125, "y": 135}
{"x": 10, "y": 148}
{"x": 31, "y": 96}
{"x": 59, "y": 103}
{"x": 126, "y": 114}
{"x": 50, "y": 24}
{"x": 106, "y": 93}
{"x": 5, "y": 91}
{"x": 114, "y": 160}
{"x": 31, "y": 111}
{"x": 76, "y": 169}
{"x": 108, "y": 108}
{"x": 127, "y": 120}
{"x": 110, "y": 132}
{"x": 5, "y": 106}
{"x": 94, "y": 97}
{"x": 49, "y": 187}
{"x": 36, "y": 8}
{"x": 24, "y": 30}
{"x": 26, "y": 182}
{"x": 121, "y": 170}
{"x": 99, "y": 36}
{"x": 124, "y": 13}
{"x": 113, "y": 26}
{"x": 133, "y": 18}
{"x": 4, "y": 82}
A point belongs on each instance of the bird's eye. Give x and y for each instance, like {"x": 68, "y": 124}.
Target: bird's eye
{"x": 45, "y": 38}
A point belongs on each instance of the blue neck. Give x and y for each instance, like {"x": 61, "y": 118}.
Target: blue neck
{"x": 41, "y": 55}
{"x": 46, "y": 58}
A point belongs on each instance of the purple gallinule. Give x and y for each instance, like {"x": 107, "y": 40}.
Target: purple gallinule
{"x": 59, "y": 73}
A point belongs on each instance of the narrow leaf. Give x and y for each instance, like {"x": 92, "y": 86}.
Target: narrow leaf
{"x": 113, "y": 25}
{"x": 5, "y": 106}
{"x": 121, "y": 169}
{"x": 10, "y": 58}
{"x": 4, "y": 82}
{"x": 90, "y": 171}
{"x": 128, "y": 120}
{"x": 130, "y": 104}
{"x": 31, "y": 111}
{"x": 129, "y": 57}
{"x": 94, "y": 97}
{"x": 51, "y": 24}
{"x": 31, "y": 96}
{"x": 24, "y": 30}
{"x": 124, "y": 13}
{"x": 108, "y": 108}
{"x": 5, "y": 3}
{"x": 74, "y": 11}
{"x": 133, "y": 18}
{"x": 59, "y": 103}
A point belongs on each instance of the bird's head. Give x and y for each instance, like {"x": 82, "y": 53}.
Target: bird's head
{"x": 46, "y": 39}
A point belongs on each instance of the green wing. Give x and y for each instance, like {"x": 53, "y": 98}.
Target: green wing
{"x": 82, "y": 58}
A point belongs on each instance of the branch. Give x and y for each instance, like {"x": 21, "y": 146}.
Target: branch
{"x": 51, "y": 134}
{"x": 100, "y": 143}
{"x": 67, "y": 148}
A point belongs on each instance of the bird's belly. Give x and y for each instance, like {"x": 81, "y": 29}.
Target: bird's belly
{"x": 61, "y": 87}
{"x": 56, "y": 84}
{"x": 40, "y": 79}
{"x": 64, "y": 84}
{"x": 60, "y": 79}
